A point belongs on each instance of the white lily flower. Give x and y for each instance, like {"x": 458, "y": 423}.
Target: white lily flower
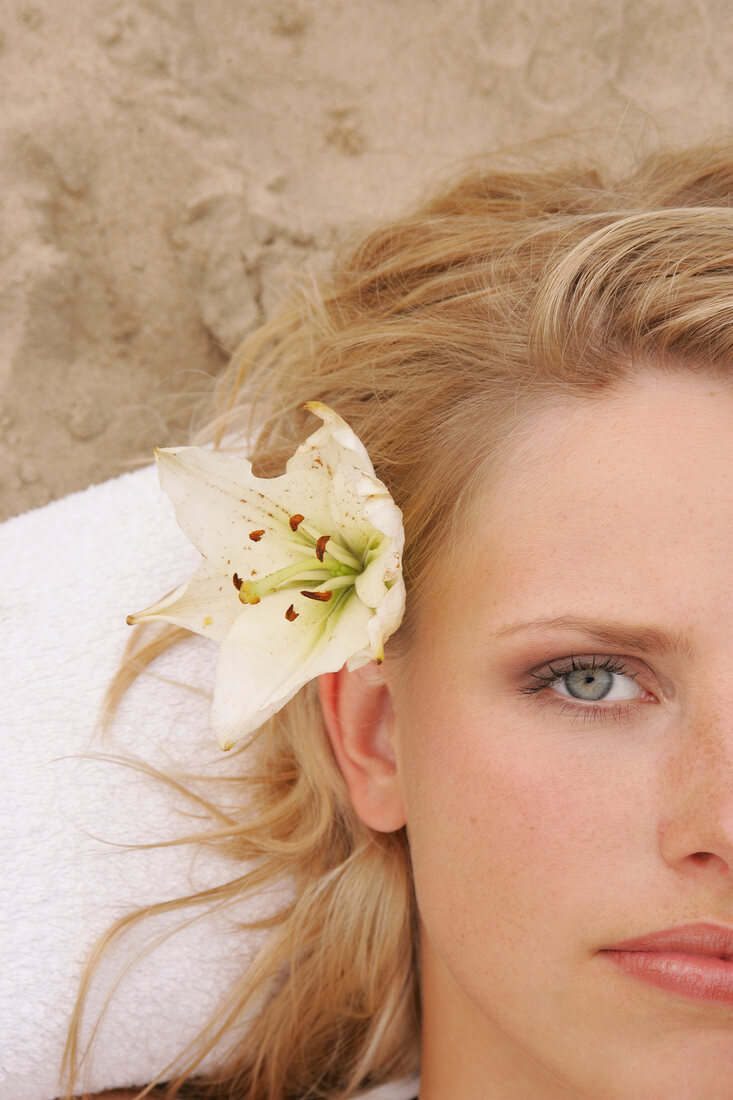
{"x": 301, "y": 573}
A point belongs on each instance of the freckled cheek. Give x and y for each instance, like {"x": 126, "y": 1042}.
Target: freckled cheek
{"x": 496, "y": 832}
{"x": 489, "y": 832}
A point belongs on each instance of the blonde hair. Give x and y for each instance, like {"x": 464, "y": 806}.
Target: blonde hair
{"x": 434, "y": 337}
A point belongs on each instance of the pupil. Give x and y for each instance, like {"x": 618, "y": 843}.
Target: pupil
{"x": 586, "y": 685}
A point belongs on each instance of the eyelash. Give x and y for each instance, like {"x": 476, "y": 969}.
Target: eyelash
{"x": 548, "y": 676}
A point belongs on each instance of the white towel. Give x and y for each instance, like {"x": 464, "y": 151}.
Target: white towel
{"x": 69, "y": 574}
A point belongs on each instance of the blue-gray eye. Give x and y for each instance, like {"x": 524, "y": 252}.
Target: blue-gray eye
{"x": 589, "y": 681}
{"x": 588, "y": 684}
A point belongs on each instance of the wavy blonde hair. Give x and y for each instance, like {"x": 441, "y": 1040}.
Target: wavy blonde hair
{"x": 434, "y": 337}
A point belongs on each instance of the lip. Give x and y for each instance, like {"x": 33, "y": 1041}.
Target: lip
{"x": 694, "y": 961}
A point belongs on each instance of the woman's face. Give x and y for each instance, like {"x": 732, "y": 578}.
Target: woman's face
{"x": 554, "y": 813}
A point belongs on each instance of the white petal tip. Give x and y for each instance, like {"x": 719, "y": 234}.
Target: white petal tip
{"x": 319, "y": 409}
{"x": 164, "y": 454}
{"x": 145, "y": 616}
{"x": 226, "y": 745}
{"x": 149, "y": 615}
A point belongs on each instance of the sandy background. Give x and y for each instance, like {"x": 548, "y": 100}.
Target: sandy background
{"x": 165, "y": 163}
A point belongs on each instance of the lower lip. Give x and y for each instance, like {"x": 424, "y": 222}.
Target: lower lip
{"x": 698, "y": 977}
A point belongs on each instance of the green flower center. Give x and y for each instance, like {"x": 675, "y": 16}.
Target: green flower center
{"x": 326, "y": 567}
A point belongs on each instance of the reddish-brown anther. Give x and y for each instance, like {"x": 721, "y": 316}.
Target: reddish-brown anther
{"x": 324, "y": 597}
{"x": 291, "y": 614}
{"x": 295, "y": 521}
{"x": 256, "y": 535}
{"x": 237, "y": 582}
{"x": 321, "y": 546}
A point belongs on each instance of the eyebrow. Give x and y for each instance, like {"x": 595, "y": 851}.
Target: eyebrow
{"x": 650, "y": 639}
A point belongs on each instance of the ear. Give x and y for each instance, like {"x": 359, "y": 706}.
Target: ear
{"x": 357, "y": 708}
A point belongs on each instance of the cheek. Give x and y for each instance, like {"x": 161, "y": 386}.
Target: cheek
{"x": 511, "y": 831}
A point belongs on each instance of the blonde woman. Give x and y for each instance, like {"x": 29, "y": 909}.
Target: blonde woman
{"x": 511, "y": 842}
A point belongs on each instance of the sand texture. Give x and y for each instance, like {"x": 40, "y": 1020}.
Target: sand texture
{"x": 165, "y": 164}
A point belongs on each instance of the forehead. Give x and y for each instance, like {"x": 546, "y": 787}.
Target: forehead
{"x": 624, "y": 497}
{"x": 652, "y": 426}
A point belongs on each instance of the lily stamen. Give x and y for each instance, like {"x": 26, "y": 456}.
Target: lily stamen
{"x": 343, "y": 556}
{"x": 335, "y": 548}
{"x": 290, "y": 576}
{"x": 339, "y": 582}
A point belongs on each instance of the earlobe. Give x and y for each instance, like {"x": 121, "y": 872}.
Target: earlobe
{"x": 357, "y": 707}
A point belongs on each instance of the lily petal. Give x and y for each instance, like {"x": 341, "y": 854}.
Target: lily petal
{"x": 386, "y": 620}
{"x": 219, "y": 504}
{"x": 337, "y": 442}
{"x": 205, "y": 604}
{"x": 266, "y": 658}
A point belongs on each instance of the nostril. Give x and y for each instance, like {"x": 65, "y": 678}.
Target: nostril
{"x": 709, "y": 861}
{"x": 699, "y": 843}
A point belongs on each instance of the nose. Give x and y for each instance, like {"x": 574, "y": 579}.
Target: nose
{"x": 696, "y": 834}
